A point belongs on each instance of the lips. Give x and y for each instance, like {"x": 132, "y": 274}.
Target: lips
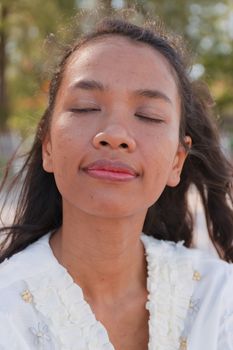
{"x": 110, "y": 170}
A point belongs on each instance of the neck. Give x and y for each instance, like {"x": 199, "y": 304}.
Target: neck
{"x": 105, "y": 257}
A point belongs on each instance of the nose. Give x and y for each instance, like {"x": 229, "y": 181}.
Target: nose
{"x": 114, "y": 137}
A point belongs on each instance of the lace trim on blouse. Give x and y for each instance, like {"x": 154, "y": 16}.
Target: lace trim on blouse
{"x": 170, "y": 286}
{"x": 71, "y": 320}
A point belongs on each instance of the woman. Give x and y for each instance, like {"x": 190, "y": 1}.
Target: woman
{"x": 124, "y": 136}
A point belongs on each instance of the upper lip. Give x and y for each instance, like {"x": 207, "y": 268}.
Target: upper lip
{"x": 111, "y": 165}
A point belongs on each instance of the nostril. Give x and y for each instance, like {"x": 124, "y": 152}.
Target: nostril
{"x": 103, "y": 143}
{"x": 124, "y": 145}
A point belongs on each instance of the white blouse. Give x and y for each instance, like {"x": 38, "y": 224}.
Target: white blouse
{"x": 190, "y": 302}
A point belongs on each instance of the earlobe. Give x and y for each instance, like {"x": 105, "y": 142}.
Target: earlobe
{"x": 47, "y": 155}
{"x": 178, "y": 163}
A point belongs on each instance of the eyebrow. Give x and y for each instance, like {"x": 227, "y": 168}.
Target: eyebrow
{"x": 88, "y": 85}
{"x": 156, "y": 94}
{"x": 96, "y": 85}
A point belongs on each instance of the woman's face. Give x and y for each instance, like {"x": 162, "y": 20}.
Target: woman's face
{"x": 113, "y": 144}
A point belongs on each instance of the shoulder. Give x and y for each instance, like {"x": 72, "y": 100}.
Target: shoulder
{"x": 210, "y": 277}
{"x": 19, "y": 320}
{"x": 198, "y": 285}
{"x": 25, "y": 263}
{"x": 32, "y": 262}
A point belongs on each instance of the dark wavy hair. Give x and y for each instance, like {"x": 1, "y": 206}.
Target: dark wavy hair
{"x": 39, "y": 207}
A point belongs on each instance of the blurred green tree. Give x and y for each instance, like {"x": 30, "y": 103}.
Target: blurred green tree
{"x": 24, "y": 26}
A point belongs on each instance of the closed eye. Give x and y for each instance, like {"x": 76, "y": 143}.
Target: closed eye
{"x": 147, "y": 119}
{"x": 84, "y": 110}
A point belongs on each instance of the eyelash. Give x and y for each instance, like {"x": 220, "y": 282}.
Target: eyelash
{"x": 148, "y": 119}
{"x": 84, "y": 110}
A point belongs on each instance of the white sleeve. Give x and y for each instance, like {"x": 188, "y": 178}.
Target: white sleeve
{"x": 225, "y": 340}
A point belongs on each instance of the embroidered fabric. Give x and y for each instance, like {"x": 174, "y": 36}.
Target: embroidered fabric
{"x": 42, "y": 308}
{"x": 71, "y": 319}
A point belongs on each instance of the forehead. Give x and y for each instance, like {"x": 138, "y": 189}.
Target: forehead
{"x": 120, "y": 62}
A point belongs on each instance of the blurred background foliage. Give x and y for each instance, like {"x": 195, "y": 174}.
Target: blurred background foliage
{"x": 26, "y": 55}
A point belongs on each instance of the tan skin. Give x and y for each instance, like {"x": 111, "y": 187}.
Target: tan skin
{"x": 115, "y": 119}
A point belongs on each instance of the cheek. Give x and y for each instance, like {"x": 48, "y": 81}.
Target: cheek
{"x": 158, "y": 153}
{"x": 66, "y": 128}
{"x": 67, "y": 145}
{"x": 160, "y": 147}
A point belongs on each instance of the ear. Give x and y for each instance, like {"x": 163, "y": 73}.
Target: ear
{"x": 181, "y": 154}
{"x": 47, "y": 154}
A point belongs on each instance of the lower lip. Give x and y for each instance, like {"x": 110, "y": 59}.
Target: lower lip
{"x": 110, "y": 175}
